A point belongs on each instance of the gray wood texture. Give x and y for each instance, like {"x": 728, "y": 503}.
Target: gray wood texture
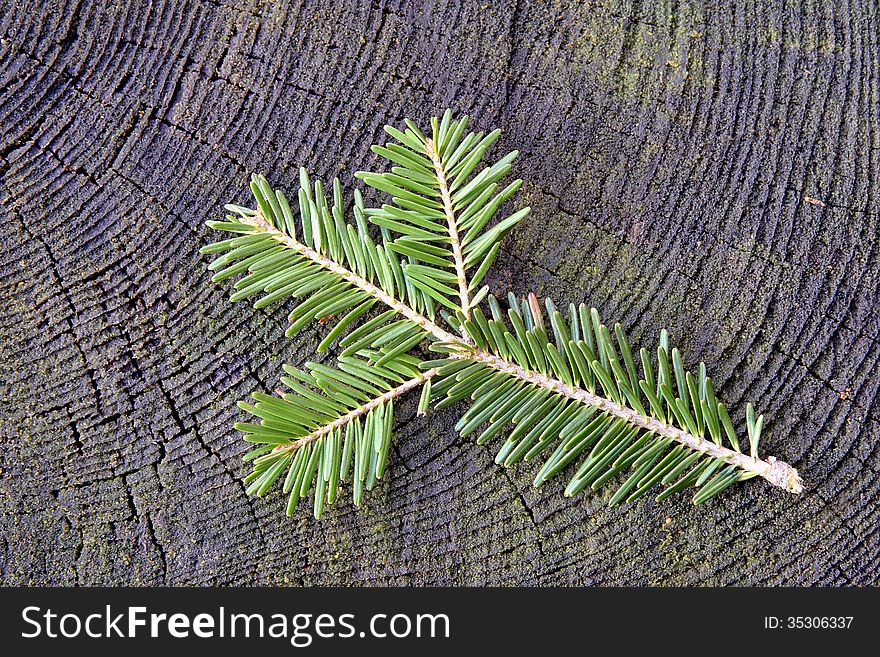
{"x": 710, "y": 167}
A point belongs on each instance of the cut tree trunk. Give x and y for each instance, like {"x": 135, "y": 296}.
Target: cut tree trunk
{"x": 708, "y": 169}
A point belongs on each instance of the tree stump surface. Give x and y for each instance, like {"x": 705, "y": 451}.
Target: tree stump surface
{"x": 708, "y": 169}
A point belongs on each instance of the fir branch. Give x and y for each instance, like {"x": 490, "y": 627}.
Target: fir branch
{"x": 776, "y": 472}
{"x": 517, "y": 376}
{"x": 438, "y": 200}
{"x": 363, "y": 409}
{"x": 333, "y": 422}
{"x": 452, "y": 222}
{"x": 259, "y": 222}
{"x": 578, "y": 392}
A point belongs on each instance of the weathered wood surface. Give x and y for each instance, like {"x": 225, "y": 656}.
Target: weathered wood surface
{"x": 707, "y": 168}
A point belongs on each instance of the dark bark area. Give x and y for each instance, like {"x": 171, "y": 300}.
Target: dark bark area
{"x": 706, "y": 168}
